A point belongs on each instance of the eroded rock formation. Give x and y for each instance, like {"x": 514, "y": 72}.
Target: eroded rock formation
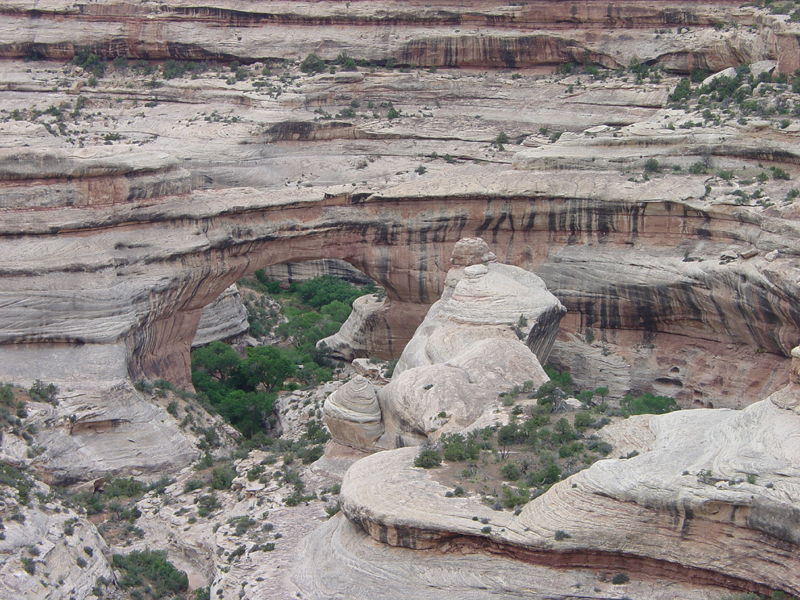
{"x": 223, "y": 319}
{"x": 466, "y": 351}
{"x": 353, "y": 415}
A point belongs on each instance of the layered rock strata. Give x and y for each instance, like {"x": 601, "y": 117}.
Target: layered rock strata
{"x": 223, "y": 319}
{"x": 114, "y": 248}
{"x": 353, "y": 415}
{"x": 340, "y": 559}
{"x": 477, "y": 34}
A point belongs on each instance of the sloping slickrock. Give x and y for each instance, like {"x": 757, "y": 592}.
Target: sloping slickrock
{"x": 339, "y": 560}
{"x": 59, "y": 537}
{"x": 713, "y": 496}
{"x": 101, "y": 429}
{"x": 465, "y": 389}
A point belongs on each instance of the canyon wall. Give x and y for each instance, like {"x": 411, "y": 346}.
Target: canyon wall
{"x": 614, "y": 254}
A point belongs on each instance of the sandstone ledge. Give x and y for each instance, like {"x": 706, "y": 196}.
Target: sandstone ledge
{"x": 681, "y": 508}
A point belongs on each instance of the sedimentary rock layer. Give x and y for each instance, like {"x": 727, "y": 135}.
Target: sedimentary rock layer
{"x": 440, "y": 33}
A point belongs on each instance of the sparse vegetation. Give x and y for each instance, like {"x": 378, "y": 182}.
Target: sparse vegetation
{"x": 428, "y": 459}
{"x": 149, "y": 574}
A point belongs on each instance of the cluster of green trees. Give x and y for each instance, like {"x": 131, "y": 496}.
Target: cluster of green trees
{"x": 244, "y": 390}
{"x": 735, "y": 92}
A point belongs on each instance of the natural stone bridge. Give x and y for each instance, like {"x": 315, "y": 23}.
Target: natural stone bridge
{"x": 109, "y": 278}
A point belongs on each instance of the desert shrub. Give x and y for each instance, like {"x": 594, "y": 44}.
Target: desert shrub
{"x": 125, "y": 488}
{"x": 778, "y": 173}
{"x": 698, "y": 168}
{"x": 90, "y": 63}
{"x": 206, "y": 504}
{"x": 458, "y": 448}
{"x": 149, "y": 572}
{"x": 648, "y": 404}
{"x": 193, "y": 484}
{"x": 651, "y": 166}
{"x": 510, "y": 472}
{"x": 28, "y": 565}
{"x": 582, "y": 420}
{"x": 312, "y": 64}
{"x": 620, "y": 579}
{"x": 682, "y": 91}
{"x": 43, "y": 392}
{"x": 512, "y": 498}
{"x": 6, "y": 394}
{"x": 428, "y": 459}
{"x": 241, "y": 524}
{"x": 222, "y": 476}
{"x": 563, "y": 431}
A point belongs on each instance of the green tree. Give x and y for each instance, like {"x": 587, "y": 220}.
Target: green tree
{"x": 564, "y": 431}
{"x": 506, "y": 436}
{"x": 582, "y": 420}
{"x": 247, "y": 411}
{"x": 217, "y": 359}
{"x": 457, "y": 447}
{"x": 266, "y": 366}
{"x": 428, "y": 459}
{"x": 648, "y": 404}
{"x": 338, "y": 311}
{"x": 602, "y": 392}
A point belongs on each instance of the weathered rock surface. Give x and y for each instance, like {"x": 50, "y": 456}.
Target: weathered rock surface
{"x": 464, "y": 354}
{"x": 54, "y": 539}
{"x": 223, "y": 319}
{"x": 93, "y": 431}
{"x": 297, "y": 272}
{"x": 129, "y": 204}
{"x": 356, "y": 337}
{"x": 426, "y": 402}
{"x": 340, "y": 560}
{"x": 353, "y": 415}
{"x": 481, "y": 299}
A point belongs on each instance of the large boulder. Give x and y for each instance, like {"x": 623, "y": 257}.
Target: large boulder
{"x": 353, "y": 415}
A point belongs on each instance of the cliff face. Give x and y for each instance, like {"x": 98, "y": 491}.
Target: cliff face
{"x": 437, "y": 33}
{"x": 134, "y": 193}
{"x": 614, "y": 253}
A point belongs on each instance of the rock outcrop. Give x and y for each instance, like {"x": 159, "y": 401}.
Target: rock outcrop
{"x": 297, "y": 272}
{"x": 711, "y": 497}
{"x": 483, "y": 298}
{"x": 353, "y": 415}
{"x": 465, "y": 353}
{"x": 225, "y": 318}
{"x": 49, "y": 551}
{"x": 359, "y": 334}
